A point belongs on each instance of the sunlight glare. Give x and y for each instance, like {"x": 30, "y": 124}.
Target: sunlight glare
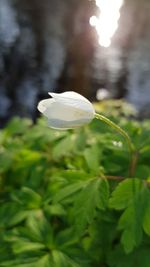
{"x": 107, "y": 22}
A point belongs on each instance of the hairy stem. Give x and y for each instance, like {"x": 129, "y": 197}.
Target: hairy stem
{"x": 125, "y": 135}
{"x": 133, "y": 164}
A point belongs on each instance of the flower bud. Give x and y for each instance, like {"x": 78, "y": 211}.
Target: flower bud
{"x": 67, "y": 110}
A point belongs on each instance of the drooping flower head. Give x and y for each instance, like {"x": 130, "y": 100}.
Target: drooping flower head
{"x": 67, "y": 110}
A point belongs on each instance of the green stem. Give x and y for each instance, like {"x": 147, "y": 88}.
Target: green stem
{"x": 119, "y": 130}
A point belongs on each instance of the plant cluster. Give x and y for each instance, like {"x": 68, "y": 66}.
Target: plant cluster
{"x": 71, "y": 198}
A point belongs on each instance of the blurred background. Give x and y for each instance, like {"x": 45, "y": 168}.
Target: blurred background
{"x": 99, "y": 48}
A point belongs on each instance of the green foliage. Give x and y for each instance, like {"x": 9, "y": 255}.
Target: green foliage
{"x": 93, "y": 195}
{"x": 67, "y": 199}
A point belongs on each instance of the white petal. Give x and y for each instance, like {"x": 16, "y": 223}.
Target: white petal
{"x": 44, "y": 104}
{"x": 70, "y": 95}
{"x": 74, "y": 99}
{"x": 64, "y": 125}
{"x": 63, "y": 112}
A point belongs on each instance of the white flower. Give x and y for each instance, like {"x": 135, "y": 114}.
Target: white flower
{"x": 67, "y": 110}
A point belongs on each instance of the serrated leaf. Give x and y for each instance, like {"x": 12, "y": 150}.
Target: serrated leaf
{"x": 66, "y": 237}
{"x": 132, "y": 230}
{"x": 74, "y": 175}
{"x": 62, "y": 260}
{"x": 63, "y": 147}
{"x": 93, "y": 195}
{"x": 11, "y": 214}
{"x": 44, "y": 261}
{"x": 59, "y": 259}
{"x": 21, "y": 246}
{"x": 40, "y": 228}
{"x": 28, "y": 197}
{"x": 132, "y": 219}
{"x": 124, "y": 193}
{"x": 92, "y": 157}
{"x": 68, "y": 191}
{"x": 55, "y": 209}
{"x": 103, "y": 194}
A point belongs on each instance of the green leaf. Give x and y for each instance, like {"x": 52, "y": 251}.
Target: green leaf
{"x": 21, "y": 246}
{"x": 66, "y": 237}
{"x": 59, "y": 259}
{"x": 93, "y": 195}
{"x": 18, "y": 126}
{"x": 28, "y": 197}
{"x": 68, "y": 191}
{"x": 124, "y": 193}
{"x": 92, "y": 157}
{"x": 55, "y": 209}
{"x": 52, "y": 199}
{"x": 39, "y": 228}
{"x": 139, "y": 257}
{"x": 103, "y": 194}
{"x": 142, "y": 171}
{"x": 132, "y": 230}
{"x": 62, "y": 260}
{"x": 132, "y": 219}
{"x": 74, "y": 175}
{"x": 11, "y": 214}
{"x": 6, "y": 160}
{"x": 63, "y": 147}
{"x": 27, "y": 157}
{"x": 44, "y": 261}
{"x": 146, "y": 219}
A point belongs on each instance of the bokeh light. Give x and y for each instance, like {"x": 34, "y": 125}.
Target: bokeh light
{"x": 107, "y": 22}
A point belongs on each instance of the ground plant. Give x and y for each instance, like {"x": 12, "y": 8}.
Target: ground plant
{"x": 75, "y": 198}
